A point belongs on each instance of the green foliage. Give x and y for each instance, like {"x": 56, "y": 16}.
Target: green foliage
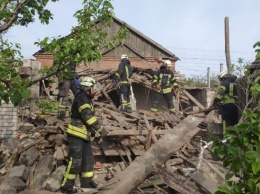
{"x": 46, "y": 105}
{"x": 23, "y": 12}
{"x": 200, "y": 81}
{"x": 241, "y": 154}
{"x": 85, "y": 44}
{"x": 257, "y": 44}
{"x": 240, "y": 68}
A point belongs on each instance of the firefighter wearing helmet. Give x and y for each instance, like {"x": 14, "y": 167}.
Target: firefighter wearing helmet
{"x": 226, "y": 99}
{"x": 124, "y": 72}
{"x": 164, "y": 83}
{"x": 83, "y": 124}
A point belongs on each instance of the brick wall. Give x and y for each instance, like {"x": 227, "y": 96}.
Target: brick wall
{"x": 8, "y": 120}
{"x": 8, "y": 113}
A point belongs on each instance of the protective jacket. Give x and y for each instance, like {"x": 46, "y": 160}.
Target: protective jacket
{"x": 83, "y": 119}
{"x": 124, "y": 71}
{"x": 227, "y": 92}
{"x": 166, "y": 80}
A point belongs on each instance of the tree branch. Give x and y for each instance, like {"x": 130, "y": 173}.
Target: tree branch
{"x": 14, "y": 17}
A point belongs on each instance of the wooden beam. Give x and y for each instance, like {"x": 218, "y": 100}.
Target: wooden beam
{"x": 160, "y": 152}
{"x": 193, "y": 99}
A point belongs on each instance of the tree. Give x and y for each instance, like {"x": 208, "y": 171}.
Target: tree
{"x": 239, "y": 69}
{"x": 241, "y": 153}
{"x": 200, "y": 81}
{"x": 83, "y": 45}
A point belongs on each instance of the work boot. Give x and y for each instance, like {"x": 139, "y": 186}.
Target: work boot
{"x": 68, "y": 191}
{"x": 88, "y": 183}
{"x": 129, "y": 110}
{"x": 172, "y": 112}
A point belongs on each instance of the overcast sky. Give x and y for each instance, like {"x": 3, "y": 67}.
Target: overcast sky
{"x": 192, "y": 30}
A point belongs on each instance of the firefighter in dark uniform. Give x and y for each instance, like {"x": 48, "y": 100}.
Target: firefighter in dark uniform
{"x": 83, "y": 124}
{"x": 68, "y": 83}
{"x": 226, "y": 99}
{"x": 164, "y": 83}
{"x": 124, "y": 72}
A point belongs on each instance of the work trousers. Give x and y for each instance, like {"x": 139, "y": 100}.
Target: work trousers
{"x": 64, "y": 88}
{"x": 81, "y": 161}
{"x": 125, "y": 96}
{"x": 157, "y": 96}
{"x": 229, "y": 114}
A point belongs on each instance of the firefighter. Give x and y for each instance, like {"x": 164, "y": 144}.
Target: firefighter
{"x": 226, "y": 99}
{"x": 164, "y": 83}
{"x": 68, "y": 83}
{"x": 124, "y": 72}
{"x": 83, "y": 124}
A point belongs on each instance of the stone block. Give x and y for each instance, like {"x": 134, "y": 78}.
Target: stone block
{"x": 36, "y": 65}
{"x": 21, "y": 172}
{"x": 35, "y": 92}
{"x": 31, "y": 155}
{"x": 12, "y": 185}
{"x": 27, "y": 62}
{"x": 43, "y": 170}
{"x": 25, "y": 71}
{"x": 52, "y": 183}
{"x": 59, "y": 155}
{"x": 25, "y": 127}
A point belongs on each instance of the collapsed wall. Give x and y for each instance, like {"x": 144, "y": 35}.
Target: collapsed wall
{"x": 9, "y": 115}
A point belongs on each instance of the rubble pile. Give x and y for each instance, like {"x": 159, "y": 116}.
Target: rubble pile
{"x": 36, "y": 158}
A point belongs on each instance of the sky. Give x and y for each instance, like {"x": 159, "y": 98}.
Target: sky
{"x": 193, "y": 30}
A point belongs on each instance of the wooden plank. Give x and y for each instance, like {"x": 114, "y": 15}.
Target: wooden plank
{"x": 120, "y": 120}
{"x": 193, "y": 99}
{"x": 133, "y": 145}
{"x": 95, "y": 148}
{"x": 132, "y": 132}
{"x": 210, "y": 186}
{"x": 175, "y": 181}
{"x": 109, "y": 150}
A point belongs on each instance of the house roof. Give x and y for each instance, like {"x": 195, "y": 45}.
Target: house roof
{"x": 133, "y": 30}
{"x": 160, "y": 47}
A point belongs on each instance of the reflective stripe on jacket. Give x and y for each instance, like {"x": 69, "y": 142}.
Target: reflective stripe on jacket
{"x": 227, "y": 92}
{"x": 166, "y": 80}
{"x": 124, "y": 71}
{"x": 83, "y": 119}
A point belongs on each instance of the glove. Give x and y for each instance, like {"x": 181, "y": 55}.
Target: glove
{"x": 103, "y": 132}
{"x": 158, "y": 87}
{"x": 176, "y": 90}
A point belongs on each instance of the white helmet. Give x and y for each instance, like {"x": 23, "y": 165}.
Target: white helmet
{"x": 124, "y": 56}
{"x": 87, "y": 82}
{"x": 168, "y": 63}
{"x": 222, "y": 74}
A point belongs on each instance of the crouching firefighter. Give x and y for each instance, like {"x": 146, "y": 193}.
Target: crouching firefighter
{"x": 83, "y": 124}
{"x": 164, "y": 83}
{"x": 124, "y": 72}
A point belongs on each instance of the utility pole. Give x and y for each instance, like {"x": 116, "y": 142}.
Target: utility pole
{"x": 221, "y": 67}
{"x": 208, "y": 77}
{"x": 227, "y": 51}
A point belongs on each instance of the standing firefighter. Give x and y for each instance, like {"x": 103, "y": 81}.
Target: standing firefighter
{"x": 226, "y": 98}
{"x": 124, "y": 72}
{"x": 83, "y": 124}
{"x": 68, "y": 83}
{"x": 164, "y": 83}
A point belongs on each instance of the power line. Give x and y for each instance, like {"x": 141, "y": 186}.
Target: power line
{"x": 206, "y": 50}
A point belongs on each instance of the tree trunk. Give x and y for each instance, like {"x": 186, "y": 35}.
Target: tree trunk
{"x": 164, "y": 148}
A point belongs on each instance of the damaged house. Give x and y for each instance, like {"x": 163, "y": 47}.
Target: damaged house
{"x": 157, "y": 152}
